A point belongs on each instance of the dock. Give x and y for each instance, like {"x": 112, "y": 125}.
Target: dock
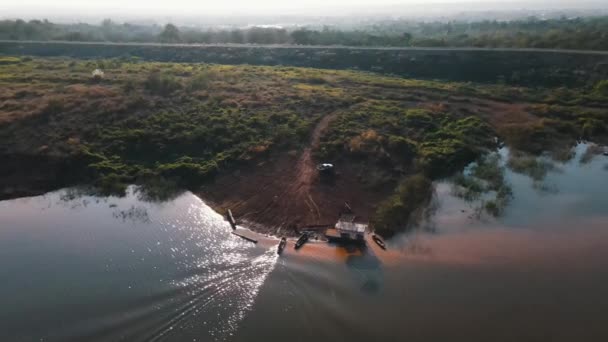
{"x": 244, "y": 236}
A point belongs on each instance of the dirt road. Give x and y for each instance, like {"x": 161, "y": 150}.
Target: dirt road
{"x": 285, "y": 192}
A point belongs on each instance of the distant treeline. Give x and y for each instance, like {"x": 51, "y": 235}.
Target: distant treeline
{"x": 564, "y": 33}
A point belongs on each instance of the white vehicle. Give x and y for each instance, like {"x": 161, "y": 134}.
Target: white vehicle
{"x": 325, "y": 167}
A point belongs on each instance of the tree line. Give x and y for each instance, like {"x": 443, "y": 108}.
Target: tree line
{"x": 562, "y": 33}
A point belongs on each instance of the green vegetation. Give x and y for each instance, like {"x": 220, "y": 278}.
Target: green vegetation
{"x": 394, "y": 213}
{"x": 172, "y": 126}
{"x": 160, "y": 83}
{"x": 9, "y": 60}
{"x": 525, "y": 68}
{"x": 396, "y": 138}
{"x": 559, "y": 124}
{"x": 563, "y": 33}
{"x": 175, "y": 124}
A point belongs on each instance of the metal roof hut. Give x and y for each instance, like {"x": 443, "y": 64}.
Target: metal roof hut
{"x": 347, "y": 230}
{"x": 350, "y": 230}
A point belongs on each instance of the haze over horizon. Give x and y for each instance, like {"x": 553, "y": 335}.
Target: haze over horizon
{"x": 140, "y": 9}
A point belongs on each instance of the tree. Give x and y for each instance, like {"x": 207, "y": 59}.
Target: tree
{"x": 301, "y": 37}
{"x": 170, "y": 34}
{"x": 407, "y": 38}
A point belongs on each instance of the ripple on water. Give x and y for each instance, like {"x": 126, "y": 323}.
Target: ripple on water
{"x": 221, "y": 280}
{"x": 124, "y": 269}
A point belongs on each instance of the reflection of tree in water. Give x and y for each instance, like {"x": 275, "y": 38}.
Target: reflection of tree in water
{"x": 71, "y": 194}
{"x": 133, "y": 214}
{"x": 416, "y": 246}
{"x": 158, "y": 190}
{"x": 591, "y": 152}
{"x": 535, "y": 167}
{"x": 538, "y": 167}
{"x": 422, "y": 218}
{"x": 79, "y": 197}
{"x": 562, "y": 154}
{"x": 545, "y": 188}
{"x": 152, "y": 191}
{"x": 484, "y": 183}
{"x": 368, "y": 268}
{"x": 82, "y": 197}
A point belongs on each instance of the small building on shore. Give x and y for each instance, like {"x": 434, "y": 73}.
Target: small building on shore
{"x": 347, "y": 230}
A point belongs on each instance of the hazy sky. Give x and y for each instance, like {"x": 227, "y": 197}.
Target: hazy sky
{"x": 201, "y": 7}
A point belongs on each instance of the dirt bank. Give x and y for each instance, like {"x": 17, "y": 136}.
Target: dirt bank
{"x": 286, "y": 192}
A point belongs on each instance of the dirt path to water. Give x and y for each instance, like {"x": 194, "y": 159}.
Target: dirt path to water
{"x": 284, "y": 193}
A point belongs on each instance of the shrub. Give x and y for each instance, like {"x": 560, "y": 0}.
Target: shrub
{"x": 200, "y": 81}
{"x": 601, "y": 88}
{"x": 129, "y": 86}
{"x": 402, "y": 147}
{"x": 394, "y": 214}
{"x": 592, "y": 127}
{"x": 9, "y": 60}
{"x": 367, "y": 142}
{"x": 53, "y": 107}
{"x": 187, "y": 173}
{"x": 162, "y": 83}
{"x": 112, "y": 184}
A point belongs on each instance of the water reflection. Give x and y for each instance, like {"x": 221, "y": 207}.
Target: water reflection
{"x": 491, "y": 184}
{"x": 572, "y": 200}
{"x": 366, "y": 267}
{"x": 133, "y": 214}
{"x": 122, "y": 269}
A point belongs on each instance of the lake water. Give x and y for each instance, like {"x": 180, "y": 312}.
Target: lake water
{"x": 81, "y": 268}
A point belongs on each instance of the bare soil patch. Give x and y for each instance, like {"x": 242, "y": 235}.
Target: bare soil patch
{"x": 285, "y": 192}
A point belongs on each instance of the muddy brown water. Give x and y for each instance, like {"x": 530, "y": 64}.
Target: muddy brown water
{"x": 81, "y": 268}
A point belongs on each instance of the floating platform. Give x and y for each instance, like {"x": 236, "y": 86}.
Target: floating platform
{"x": 245, "y": 234}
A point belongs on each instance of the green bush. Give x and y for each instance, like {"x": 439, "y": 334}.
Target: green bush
{"x": 112, "y": 184}
{"x": 402, "y": 147}
{"x": 9, "y": 60}
{"x": 601, "y": 88}
{"x": 129, "y": 86}
{"x": 200, "y": 81}
{"x": 188, "y": 173}
{"x": 592, "y": 127}
{"x": 162, "y": 83}
{"x": 394, "y": 214}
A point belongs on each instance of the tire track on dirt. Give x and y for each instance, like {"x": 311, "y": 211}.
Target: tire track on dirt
{"x": 298, "y": 193}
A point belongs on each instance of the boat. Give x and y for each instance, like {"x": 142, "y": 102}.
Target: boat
{"x": 301, "y": 241}
{"x": 282, "y": 245}
{"x": 378, "y": 240}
